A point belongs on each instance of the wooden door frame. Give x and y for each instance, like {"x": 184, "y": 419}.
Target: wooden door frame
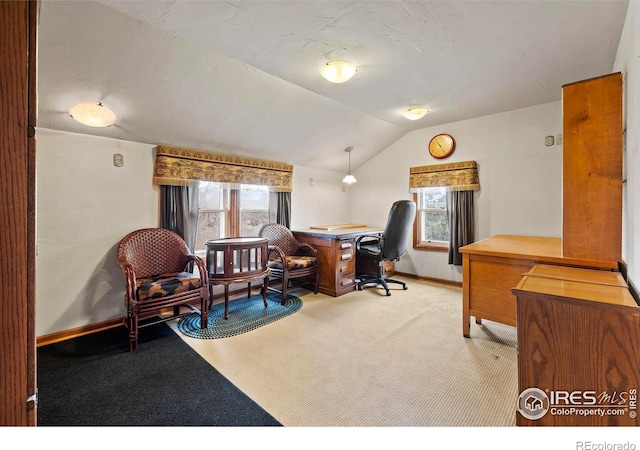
{"x": 18, "y": 40}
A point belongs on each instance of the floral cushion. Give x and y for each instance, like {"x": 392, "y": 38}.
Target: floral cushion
{"x": 166, "y": 284}
{"x": 294, "y": 262}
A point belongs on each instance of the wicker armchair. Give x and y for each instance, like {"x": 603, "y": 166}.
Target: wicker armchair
{"x": 300, "y": 260}
{"x": 154, "y": 261}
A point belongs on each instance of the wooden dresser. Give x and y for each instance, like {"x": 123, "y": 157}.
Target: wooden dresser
{"x": 578, "y": 348}
{"x": 337, "y": 252}
{"x": 493, "y": 266}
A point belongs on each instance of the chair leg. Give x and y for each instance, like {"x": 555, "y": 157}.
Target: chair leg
{"x": 204, "y": 312}
{"x": 265, "y": 283}
{"x": 285, "y": 283}
{"x": 378, "y": 279}
{"x": 384, "y": 285}
{"x": 132, "y": 326}
{"x": 391, "y": 280}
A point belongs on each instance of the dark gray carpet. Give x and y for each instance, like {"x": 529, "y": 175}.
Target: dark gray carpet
{"x": 93, "y": 381}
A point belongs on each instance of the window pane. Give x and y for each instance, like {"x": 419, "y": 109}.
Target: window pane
{"x": 435, "y": 200}
{"x": 252, "y": 221}
{"x": 254, "y": 209}
{"x": 210, "y": 196}
{"x": 434, "y": 226}
{"x": 433, "y": 216}
{"x": 254, "y": 198}
{"x": 213, "y": 204}
{"x": 210, "y": 226}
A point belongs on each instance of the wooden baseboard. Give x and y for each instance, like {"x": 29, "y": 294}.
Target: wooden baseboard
{"x": 79, "y": 331}
{"x": 430, "y": 279}
{"x": 119, "y": 321}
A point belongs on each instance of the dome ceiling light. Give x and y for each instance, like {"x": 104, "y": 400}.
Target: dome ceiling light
{"x": 92, "y": 114}
{"x": 415, "y": 112}
{"x": 338, "y": 71}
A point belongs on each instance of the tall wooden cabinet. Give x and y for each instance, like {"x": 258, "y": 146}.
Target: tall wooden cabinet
{"x": 592, "y": 169}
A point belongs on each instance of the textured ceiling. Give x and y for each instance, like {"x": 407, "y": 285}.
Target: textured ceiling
{"x": 242, "y": 77}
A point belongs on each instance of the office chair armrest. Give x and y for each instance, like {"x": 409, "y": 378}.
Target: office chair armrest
{"x": 368, "y": 239}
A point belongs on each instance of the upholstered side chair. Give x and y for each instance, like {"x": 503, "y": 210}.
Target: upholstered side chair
{"x": 154, "y": 263}
{"x": 289, "y": 259}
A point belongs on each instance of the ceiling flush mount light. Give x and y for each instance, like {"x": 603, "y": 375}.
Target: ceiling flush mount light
{"x": 349, "y": 179}
{"x": 92, "y": 114}
{"x": 338, "y": 71}
{"x": 415, "y": 112}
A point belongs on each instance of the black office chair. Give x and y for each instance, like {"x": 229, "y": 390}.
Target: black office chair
{"x": 388, "y": 247}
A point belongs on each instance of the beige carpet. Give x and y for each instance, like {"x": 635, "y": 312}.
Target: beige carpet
{"x": 368, "y": 360}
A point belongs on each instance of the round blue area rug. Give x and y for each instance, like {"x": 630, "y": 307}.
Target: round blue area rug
{"x": 245, "y": 314}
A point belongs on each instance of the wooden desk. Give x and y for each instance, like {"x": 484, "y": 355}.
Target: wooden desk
{"x": 578, "y": 348}
{"x": 493, "y": 266}
{"x": 337, "y": 255}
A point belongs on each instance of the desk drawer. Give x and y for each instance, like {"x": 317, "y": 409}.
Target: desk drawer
{"x": 346, "y": 274}
{"x": 346, "y": 267}
{"x": 345, "y": 251}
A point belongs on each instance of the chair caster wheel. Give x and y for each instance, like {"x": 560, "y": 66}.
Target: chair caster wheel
{"x": 388, "y": 294}
{"x": 359, "y": 287}
{"x": 404, "y": 288}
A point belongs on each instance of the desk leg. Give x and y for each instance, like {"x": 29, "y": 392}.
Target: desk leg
{"x": 226, "y": 301}
{"x": 249, "y": 290}
{"x": 466, "y": 293}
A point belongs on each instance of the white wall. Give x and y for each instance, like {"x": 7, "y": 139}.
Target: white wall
{"x": 318, "y": 198}
{"x": 520, "y": 179}
{"x": 628, "y": 62}
{"x": 85, "y": 205}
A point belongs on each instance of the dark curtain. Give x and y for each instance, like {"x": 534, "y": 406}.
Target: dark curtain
{"x": 179, "y": 211}
{"x": 280, "y": 208}
{"x": 461, "y": 223}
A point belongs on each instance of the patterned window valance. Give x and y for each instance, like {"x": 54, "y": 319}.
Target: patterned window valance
{"x": 182, "y": 167}
{"x": 460, "y": 176}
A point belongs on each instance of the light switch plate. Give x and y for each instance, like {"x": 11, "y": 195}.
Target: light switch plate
{"x": 118, "y": 160}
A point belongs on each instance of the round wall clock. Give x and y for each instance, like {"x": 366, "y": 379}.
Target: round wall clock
{"x": 442, "y": 145}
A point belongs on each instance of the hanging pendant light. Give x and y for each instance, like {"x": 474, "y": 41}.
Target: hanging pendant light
{"x": 349, "y": 179}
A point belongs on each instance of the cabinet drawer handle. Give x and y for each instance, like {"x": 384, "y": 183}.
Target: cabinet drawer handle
{"x": 346, "y": 281}
{"x": 346, "y": 256}
{"x": 346, "y": 245}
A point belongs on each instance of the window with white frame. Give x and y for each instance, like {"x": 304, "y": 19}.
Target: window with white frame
{"x": 432, "y": 223}
{"x": 225, "y": 212}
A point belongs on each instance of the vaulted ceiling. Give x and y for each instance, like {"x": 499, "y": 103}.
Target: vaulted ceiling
{"x": 243, "y": 77}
